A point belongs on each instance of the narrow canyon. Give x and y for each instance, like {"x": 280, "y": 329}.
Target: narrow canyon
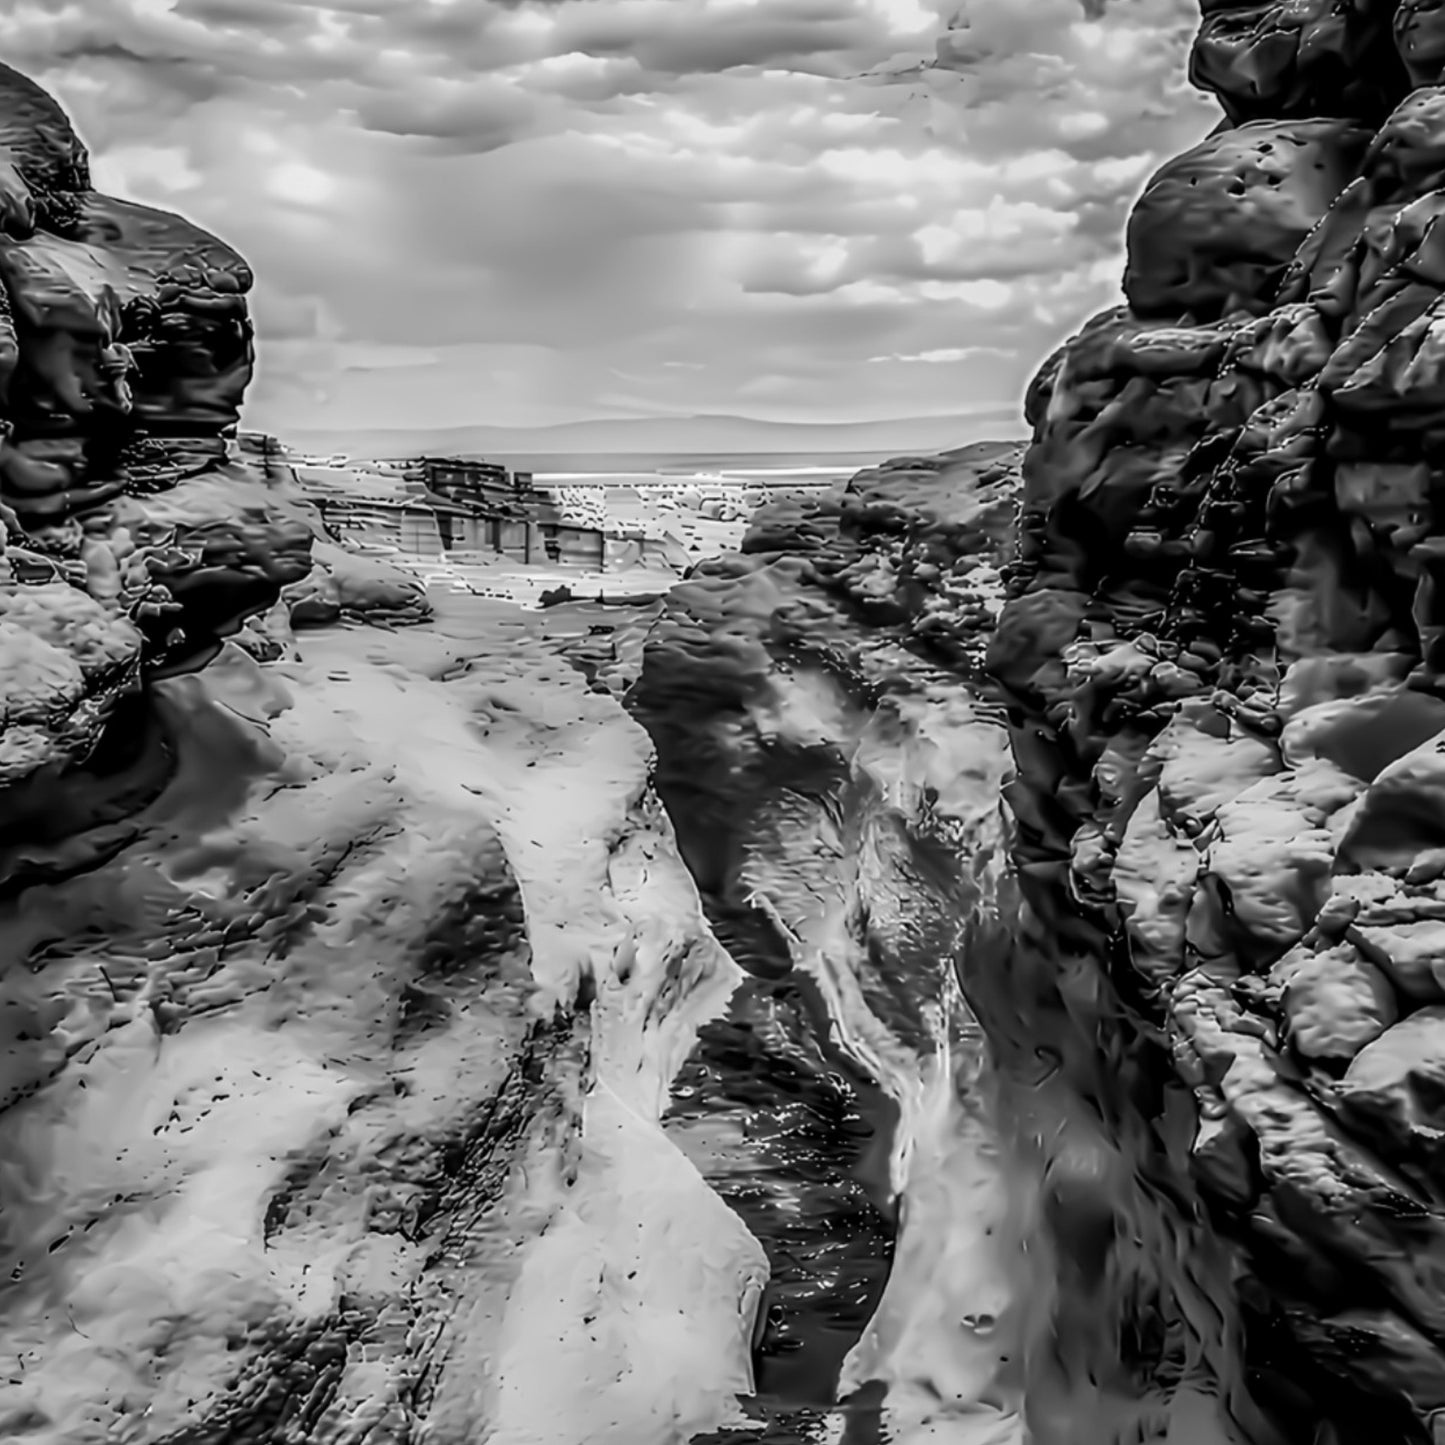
{"x": 966, "y": 967}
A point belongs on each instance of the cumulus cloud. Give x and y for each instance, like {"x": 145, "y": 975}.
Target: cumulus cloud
{"x": 531, "y": 210}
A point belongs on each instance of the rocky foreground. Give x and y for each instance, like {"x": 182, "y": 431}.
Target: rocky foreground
{"x": 415, "y": 1034}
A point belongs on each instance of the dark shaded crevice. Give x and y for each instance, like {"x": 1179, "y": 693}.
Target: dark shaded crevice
{"x": 795, "y": 1140}
{"x": 56, "y": 824}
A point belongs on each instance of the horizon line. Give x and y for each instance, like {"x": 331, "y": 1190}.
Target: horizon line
{"x": 974, "y": 415}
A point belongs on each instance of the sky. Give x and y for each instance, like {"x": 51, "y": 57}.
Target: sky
{"x": 521, "y": 212}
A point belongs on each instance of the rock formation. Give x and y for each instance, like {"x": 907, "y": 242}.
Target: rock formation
{"x": 125, "y": 348}
{"x": 1222, "y": 661}
{"x": 832, "y": 763}
{"x": 331, "y": 1046}
{"x": 1216, "y": 955}
{"x": 337, "y": 1047}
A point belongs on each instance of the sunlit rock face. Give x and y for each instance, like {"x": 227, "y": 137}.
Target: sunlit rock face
{"x": 344, "y": 968}
{"x": 1222, "y": 658}
{"x": 327, "y": 1101}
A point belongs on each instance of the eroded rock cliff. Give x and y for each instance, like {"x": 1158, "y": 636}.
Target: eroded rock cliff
{"x": 346, "y": 972}
{"x": 1214, "y": 1004}
{"x": 1221, "y": 655}
{"x": 125, "y": 348}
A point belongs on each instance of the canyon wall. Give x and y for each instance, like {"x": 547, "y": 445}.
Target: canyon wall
{"x": 1221, "y": 654}
{"x": 833, "y": 752}
{"x": 1211, "y": 979}
{"x": 832, "y": 760}
{"x": 337, "y": 1102}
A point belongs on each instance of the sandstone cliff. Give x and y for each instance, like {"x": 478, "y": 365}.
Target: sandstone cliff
{"x": 1216, "y": 1004}
{"x": 1221, "y": 657}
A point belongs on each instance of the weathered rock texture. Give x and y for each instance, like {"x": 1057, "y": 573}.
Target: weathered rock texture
{"x": 832, "y": 762}
{"x": 1223, "y": 656}
{"x": 332, "y": 1042}
{"x": 832, "y": 751}
{"x": 327, "y": 1089}
{"x": 133, "y": 539}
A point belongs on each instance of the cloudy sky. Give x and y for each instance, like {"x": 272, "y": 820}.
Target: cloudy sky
{"x": 516, "y": 212}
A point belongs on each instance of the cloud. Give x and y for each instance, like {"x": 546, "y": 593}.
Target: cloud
{"x": 484, "y": 113}
{"x": 525, "y": 211}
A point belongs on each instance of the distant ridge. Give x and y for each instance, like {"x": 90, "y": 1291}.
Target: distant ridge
{"x": 674, "y": 435}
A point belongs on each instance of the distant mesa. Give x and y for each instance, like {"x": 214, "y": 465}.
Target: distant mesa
{"x": 465, "y": 509}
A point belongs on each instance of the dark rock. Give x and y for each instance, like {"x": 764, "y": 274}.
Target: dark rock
{"x": 125, "y": 350}
{"x": 1217, "y": 227}
{"x": 1268, "y": 896}
{"x": 1298, "y": 59}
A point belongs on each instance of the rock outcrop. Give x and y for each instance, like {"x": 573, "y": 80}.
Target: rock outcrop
{"x": 1222, "y": 657}
{"x": 133, "y": 539}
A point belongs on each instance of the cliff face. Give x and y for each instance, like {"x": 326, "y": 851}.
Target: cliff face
{"x": 833, "y": 752}
{"x": 124, "y": 352}
{"x": 1211, "y": 980}
{"x": 1221, "y": 653}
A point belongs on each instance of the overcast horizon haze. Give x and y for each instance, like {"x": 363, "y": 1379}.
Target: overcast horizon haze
{"x": 529, "y": 212}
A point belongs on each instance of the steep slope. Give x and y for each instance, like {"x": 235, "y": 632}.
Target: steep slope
{"x": 1213, "y": 995}
{"x": 832, "y": 763}
{"x": 834, "y": 755}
